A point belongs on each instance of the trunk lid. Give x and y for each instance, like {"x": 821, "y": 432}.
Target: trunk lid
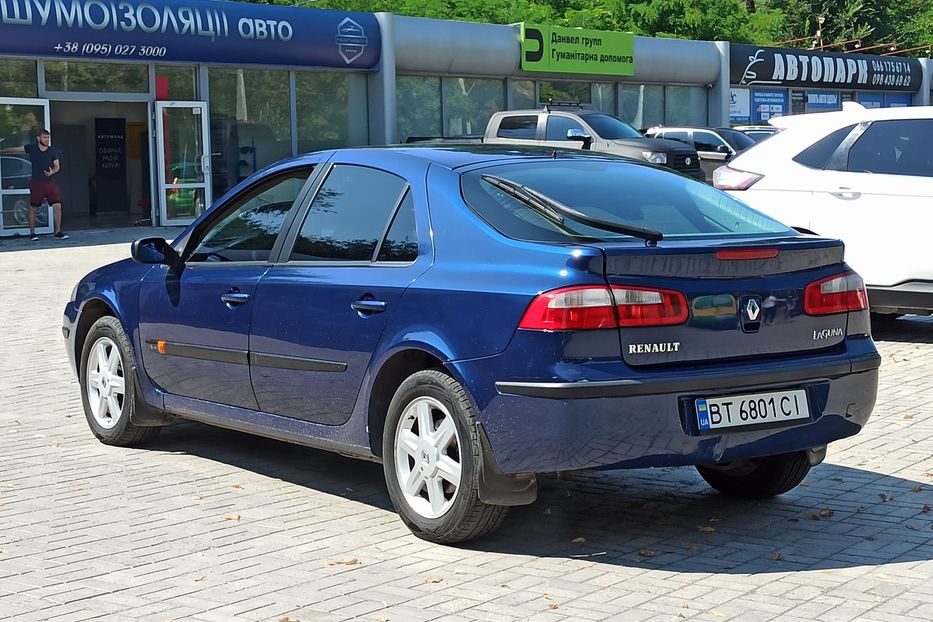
{"x": 737, "y": 306}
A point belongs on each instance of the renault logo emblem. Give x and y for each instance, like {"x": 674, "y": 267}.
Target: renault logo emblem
{"x": 752, "y": 309}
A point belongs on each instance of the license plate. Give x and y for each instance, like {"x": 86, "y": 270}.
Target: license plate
{"x": 744, "y": 410}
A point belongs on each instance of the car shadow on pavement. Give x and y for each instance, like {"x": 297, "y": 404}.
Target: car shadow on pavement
{"x": 905, "y": 329}
{"x": 669, "y": 519}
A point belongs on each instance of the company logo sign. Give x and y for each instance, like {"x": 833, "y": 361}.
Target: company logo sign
{"x": 351, "y": 40}
{"x": 751, "y": 65}
{"x": 752, "y": 309}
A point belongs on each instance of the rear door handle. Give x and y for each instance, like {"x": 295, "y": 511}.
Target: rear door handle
{"x": 235, "y": 298}
{"x": 846, "y": 193}
{"x": 369, "y": 306}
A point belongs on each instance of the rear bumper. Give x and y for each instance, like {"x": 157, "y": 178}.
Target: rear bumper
{"x": 610, "y": 424}
{"x": 909, "y": 297}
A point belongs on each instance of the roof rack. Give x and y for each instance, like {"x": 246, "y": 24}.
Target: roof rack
{"x": 562, "y": 104}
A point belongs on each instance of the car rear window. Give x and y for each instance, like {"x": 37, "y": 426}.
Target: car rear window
{"x": 620, "y": 192}
{"x": 818, "y": 154}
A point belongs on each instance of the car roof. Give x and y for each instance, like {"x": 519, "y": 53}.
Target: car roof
{"x": 454, "y": 156}
{"x": 853, "y": 112}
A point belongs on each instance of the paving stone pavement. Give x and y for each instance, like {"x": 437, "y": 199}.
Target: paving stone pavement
{"x": 211, "y": 525}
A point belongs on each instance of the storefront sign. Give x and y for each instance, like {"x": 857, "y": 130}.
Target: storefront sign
{"x": 189, "y": 31}
{"x": 821, "y": 102}
{"x": 740, "y": 105}
{"x": 751, "y": 65}
{"x": 555, "y": 49}
{"x": 767, "y": 104}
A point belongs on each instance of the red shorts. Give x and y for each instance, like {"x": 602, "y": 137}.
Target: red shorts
{"x": 47, "y": 189}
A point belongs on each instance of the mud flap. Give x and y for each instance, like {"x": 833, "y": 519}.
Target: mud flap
{"x": 497, "y": 488}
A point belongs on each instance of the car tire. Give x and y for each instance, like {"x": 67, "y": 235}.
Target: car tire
{"x": 433, "y": 477}
{"x": 108, "y": 385}
{"x": 759, "y": 478}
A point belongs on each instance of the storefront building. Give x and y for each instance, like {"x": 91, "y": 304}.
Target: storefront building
{"x": 158, "y": 109}
{"x": 768, "y": 82}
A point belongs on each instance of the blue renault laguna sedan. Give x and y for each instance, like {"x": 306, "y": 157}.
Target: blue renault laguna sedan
{"x": 472, "y": 317}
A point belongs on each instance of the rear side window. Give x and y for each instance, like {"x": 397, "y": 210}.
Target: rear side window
{"x": 401, "y": 242}
{"x": 615, "y": 191}
{"x": 348, "y": 215}
{"x": 680, "y": 137}
{"x": 557, "y": 127}
{"x": 818, "y": 154}
{"x": 518, "y": 127}
{"x": 898, "y": 147}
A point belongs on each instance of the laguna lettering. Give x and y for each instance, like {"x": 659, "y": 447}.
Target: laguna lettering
{"x": 826, "y": 333}
{"x": 653, "y": 348}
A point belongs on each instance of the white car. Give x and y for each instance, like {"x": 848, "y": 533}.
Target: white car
{"x": 864, "y": 176}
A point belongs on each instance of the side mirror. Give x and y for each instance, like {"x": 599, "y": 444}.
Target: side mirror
{"x": 155, "y": 251}
{"x": 721, "y": 148}
{"x": 579, "y": 135}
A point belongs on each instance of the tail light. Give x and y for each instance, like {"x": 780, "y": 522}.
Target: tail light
{"x": 593, "y": 307}
{"x": 728, "y": 178}
{"x": 836, "y": 294}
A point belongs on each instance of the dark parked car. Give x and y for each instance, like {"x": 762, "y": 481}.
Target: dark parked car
{"x": 714, "y": 146}
{"x": 472, "y": 317}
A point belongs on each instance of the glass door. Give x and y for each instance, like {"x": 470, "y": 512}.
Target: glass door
{"x": 184, "y": 161}
{"x": 19, "y": 120}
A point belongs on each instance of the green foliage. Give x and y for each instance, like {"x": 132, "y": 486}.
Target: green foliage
{"x": 909, "y": 22}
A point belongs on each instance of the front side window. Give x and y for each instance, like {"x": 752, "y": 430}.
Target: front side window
{"x": 557, "y": 127}
{"x": 706, "y": 141}
{"x": 615, "y": 191}
{"x": 897, "y": 147}
{"x": 349, "y": 215}
{"x": 609, "y": 127}
{"x": 680, "y": 137}
{"x": 252, "y": 222}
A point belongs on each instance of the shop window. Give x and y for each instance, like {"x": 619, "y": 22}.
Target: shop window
{"x": 604, "y": 97}
{"x": 250, "y": 122}
{"x": 80, "y": 77}
{"x": 332, "y": 110}
{"x": 553, "y": 90}
{"x": 522, "y": 93}
{"x": 176, "y": 83}
{"x": 468, "y": 104}
{"x": 18, "y": 78}
{"x": 418, "y": 101}
{"x": 686, "y": 105}
{"x": 643, "y": 105}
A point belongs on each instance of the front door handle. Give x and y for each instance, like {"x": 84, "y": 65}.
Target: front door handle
{"x": 368, "y": 306}
{"x": 846, "y": 193}
{"x": 234, "y": 298}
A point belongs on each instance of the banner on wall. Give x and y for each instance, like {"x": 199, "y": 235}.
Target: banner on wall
{"x": 740, "y": 105}
{"x": 556, "y": 49}
{"x": 755, "y": 65}
{"x": 897, "y": 100}
{"x": 768, "y": 104}
{"x": 871, "y": 100}
{"x": 202, "y": 31}
{"x": 110, "y": 187}
{"x": 823, "y": 101}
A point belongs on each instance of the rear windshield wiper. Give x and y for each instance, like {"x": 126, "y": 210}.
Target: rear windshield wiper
{"x": 554, "y": 210}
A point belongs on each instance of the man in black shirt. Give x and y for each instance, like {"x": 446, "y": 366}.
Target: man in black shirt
{"x": 42, "y": 185}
